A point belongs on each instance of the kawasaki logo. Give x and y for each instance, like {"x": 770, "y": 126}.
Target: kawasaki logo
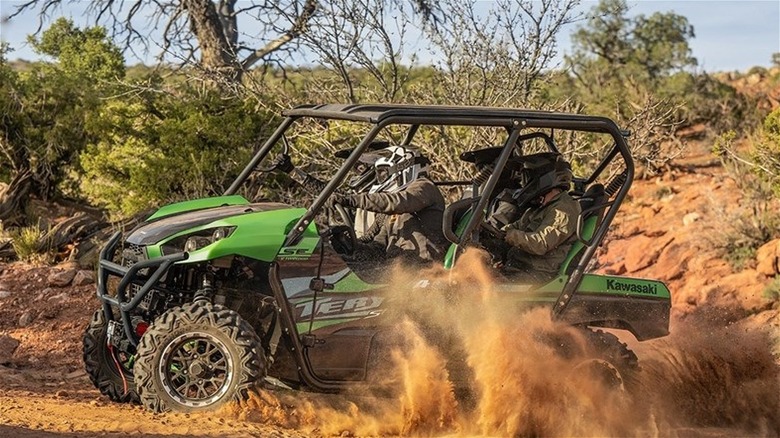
{"x": 619, "y": 286}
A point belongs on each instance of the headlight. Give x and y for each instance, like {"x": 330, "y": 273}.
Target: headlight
{"x": 195, "y": 243}
{"x": 197, "y": 240}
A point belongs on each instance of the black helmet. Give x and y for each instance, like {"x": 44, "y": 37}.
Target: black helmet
{"x": 545, "y": 171}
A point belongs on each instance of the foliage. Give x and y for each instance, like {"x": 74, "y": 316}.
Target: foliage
{"x": 129, "y": 140}
{"x": 88, "y": 53}
{"x": 755, "y": 170}
{"x": 209, "y": 35}
{"x": 617, "y": 65}
{"x": 46, "y": 107}
{"x": 657, "y": 45}
{"x": 746, "y": 231}
{"x": 711, "y": 102}
{"x": 167, "y": 145}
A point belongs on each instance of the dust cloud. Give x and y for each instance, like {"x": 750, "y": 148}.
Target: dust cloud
{"x": 464, "y": 363}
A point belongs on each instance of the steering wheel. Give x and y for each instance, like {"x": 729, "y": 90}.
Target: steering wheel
{"x": 495, "y": 232}
{"x": 281, "y": 162}
{"x": 344, "y": 235}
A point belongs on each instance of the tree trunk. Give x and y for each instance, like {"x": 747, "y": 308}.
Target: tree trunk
{"x": 14, "y": 199}
{"x": 217, "y": 54}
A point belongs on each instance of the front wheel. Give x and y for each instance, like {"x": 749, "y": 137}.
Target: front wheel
{"x": 197, "y": 357}
{"x": 108, "y": 367}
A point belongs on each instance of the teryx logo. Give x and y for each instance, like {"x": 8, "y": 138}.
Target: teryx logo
{"x": 352, "y": 307}
{"x": 295, "y": 253}
{"x": 630, "y": 287}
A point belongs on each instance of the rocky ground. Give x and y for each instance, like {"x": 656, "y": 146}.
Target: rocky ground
{"x": 666, "y": 231}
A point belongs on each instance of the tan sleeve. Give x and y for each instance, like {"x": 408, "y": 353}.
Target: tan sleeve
{"x": 556, "y": 228}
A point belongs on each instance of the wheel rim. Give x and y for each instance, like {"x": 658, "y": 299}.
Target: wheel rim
{"x": 605, "y": 372}
{"x": 196, "y": 369}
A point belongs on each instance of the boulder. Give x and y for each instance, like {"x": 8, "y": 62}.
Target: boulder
{"x": 60, "y": 278}
{"x": 83, "y": 277}
{"x": 742, "y": 290}
{"x": 643, "y": 252}
{"x": 672, "y": 262}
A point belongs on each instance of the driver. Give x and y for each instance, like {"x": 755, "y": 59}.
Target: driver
{"x": 535, "y": 246}
{"x": 412, "y": 207}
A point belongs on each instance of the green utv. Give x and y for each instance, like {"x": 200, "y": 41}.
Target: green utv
{"x": 208, "y": 298}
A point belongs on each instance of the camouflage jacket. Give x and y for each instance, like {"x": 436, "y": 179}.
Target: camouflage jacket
{"x": 540, "y": 240}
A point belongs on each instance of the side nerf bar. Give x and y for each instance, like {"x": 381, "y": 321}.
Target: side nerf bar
{"x": 129, "y": 275}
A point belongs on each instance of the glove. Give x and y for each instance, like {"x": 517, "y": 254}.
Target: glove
{"x": 282, "y": 162}
{"x": 341, "y": 240}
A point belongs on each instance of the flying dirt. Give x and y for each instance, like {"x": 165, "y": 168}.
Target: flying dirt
{"x": 710, "y": 377}
{"x": 703, "y": 377}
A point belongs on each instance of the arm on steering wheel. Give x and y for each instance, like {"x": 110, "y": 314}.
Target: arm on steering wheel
{"x": 343, "y": 237}
{"x": 493, "y": 231}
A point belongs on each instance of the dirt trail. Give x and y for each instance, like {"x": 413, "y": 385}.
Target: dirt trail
{"x": 714, "y": 376}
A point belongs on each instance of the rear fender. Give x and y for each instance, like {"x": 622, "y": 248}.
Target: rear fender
{"x": 638, "y": 305}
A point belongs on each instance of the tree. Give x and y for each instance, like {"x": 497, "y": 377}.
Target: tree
{"x": 209, "y": 29}
{"x": 620, "y": 65}
{"x": 45, "y": 109}
{"x": 498, "y": 57}
{"x": 657, "y": 45}
{"x": 363, "y": 46}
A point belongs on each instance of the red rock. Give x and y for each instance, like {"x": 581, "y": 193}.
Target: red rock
{"x": 767, "y": 257}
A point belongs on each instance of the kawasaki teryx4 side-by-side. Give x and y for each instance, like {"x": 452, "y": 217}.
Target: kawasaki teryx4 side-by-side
{"x": 208, "y": 298}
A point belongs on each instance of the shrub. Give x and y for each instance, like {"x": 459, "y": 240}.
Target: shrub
{"x": 744, "y": 232}
{"x": 772, "y": 290}
{"x": 180, "y": 143}
{"x": 30, "y": 245}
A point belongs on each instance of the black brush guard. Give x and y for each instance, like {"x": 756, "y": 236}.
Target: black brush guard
{"x": 157, "y": 267}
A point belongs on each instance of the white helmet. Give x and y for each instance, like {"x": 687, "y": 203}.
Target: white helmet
{"x": 397, "y": 167}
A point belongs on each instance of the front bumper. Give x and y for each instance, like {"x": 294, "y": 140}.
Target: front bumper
{"x": 153, "y": 270}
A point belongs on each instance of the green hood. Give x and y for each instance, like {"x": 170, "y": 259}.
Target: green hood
{"x": 155, "y": 231}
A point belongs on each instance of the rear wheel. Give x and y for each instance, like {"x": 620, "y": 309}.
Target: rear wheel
{"x": 197, "y": 357}
{"x": 610, "y": 361}
{"x": 109, "y": 368}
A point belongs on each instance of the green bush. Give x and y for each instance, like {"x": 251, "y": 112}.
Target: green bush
{"x": 182, "y": 144}
{"x": 30, "y": 245}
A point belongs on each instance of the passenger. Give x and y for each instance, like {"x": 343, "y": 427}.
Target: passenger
{"x": 413, "y": 207}
{"x": 535, "y": 246}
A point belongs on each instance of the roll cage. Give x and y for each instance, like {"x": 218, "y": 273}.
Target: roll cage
{"x": 513, "y": 120}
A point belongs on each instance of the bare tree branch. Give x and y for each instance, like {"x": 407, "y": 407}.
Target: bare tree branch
{"x": 298, "y": 28}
